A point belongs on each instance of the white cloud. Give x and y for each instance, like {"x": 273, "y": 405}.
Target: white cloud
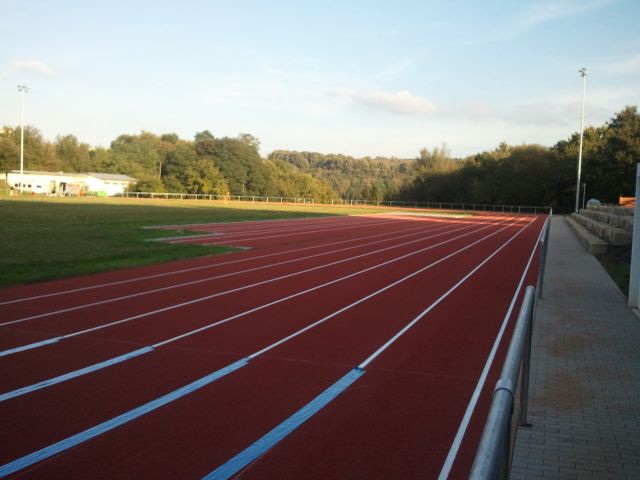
{"x": 556, "y": 9}
{"x": 33, "y": 66}
{"x": 543, "y": 12}
{"x": 396, "y": 102}
{"x": 629, "y": 65}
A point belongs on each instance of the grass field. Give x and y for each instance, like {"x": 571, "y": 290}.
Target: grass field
{"x": 45, "y": 238}
{"x": 617, "y": 262}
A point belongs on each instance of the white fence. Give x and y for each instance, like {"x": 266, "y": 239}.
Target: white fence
{"x": 350, "y": 202}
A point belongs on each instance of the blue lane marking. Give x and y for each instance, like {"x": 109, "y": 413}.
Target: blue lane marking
{"x": 115, "y": 422}
{"x": 261, "y": 446}
{"x": 76, "y": 373}
{"x": 11, "y": 351}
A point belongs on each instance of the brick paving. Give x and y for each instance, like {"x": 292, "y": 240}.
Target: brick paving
{"x": 585, "y": 373}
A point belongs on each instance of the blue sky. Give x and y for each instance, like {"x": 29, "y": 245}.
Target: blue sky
{"x": 354, "y": 77}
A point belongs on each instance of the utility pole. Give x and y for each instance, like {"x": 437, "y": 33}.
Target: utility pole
{"x": 22, "y": 89}
{"x": 583, "y": 74}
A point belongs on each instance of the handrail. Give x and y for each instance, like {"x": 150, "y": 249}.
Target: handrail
{"x": 493, "y": 456}
{"x": 494, "y": 451}
{"x": 520, "y": 209}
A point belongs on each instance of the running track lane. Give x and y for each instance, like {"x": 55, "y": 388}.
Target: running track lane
{"x": 16, "y": 312}
{"x": 188, "y": 316}
{"x": 63, "y": 356}
{"x": 294, "y": 364}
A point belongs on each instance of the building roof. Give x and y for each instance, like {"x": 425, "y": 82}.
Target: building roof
{"x": 100, "y": 176}
{"x": 112, "y": 177}
{"x": 51, "y": 174}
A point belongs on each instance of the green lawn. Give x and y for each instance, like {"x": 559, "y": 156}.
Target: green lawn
{"x": 617, "y": 262}
{"x": 44, "y": 238}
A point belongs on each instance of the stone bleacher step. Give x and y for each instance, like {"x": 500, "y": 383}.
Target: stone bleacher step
{"x": 612, "y": 235}
{"x": 624, "y": 222}
{"x": 592, "y": 243}
{"x": 622, "y": 211}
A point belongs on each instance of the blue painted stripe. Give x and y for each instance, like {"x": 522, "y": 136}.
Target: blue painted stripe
{"x": 116, "y": 422}
{"x": 76, "y": 373}
{"x": 11, "y": 351}
{"x": 261, "y": 446}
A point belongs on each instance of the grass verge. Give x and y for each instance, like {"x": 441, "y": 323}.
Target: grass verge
{"x": 46, "y": 238}
{"x": 617, "y": 262}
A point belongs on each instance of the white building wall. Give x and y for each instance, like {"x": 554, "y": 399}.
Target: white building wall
{"x": 48, "y": 183}
{"x": 40, "y": 183}
{"x": 110, "y": 187}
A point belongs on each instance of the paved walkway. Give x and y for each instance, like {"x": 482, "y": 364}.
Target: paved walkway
{"x": 585, "y": 376}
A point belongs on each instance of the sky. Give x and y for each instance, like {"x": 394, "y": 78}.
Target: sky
{"x": 362, "y": 78}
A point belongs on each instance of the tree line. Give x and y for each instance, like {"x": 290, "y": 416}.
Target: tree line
{"x": 167, "y": 163}
{"x": 534, "y": 174}
{"x": 370, "y": 179}
{"x": 508, "y": 175}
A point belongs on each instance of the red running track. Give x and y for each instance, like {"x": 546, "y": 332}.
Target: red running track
{"x": 99, "y": 371}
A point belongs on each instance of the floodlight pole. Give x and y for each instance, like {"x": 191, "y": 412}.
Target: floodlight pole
{"x": 583, "y": 74}
{"x": 23, "y": 89}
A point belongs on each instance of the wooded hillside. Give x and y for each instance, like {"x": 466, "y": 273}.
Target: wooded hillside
{"x": 508, "y": 175}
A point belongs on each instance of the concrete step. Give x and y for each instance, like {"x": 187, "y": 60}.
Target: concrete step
{"x": 624, "y": 211}
{"x": 592, "y": 243}
{"x": 612, "y": 235}
{"x": 624, "y": 222}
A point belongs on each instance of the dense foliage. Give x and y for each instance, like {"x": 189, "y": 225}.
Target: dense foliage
{"x": 508, "y": 175}
{"x": 533, "y": 174}
{"x": 166, "y": 163}
{"x": 371, "y": 179}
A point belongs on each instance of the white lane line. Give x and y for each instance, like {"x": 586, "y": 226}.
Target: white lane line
{"x": 207, "y": 279}
{"x": 240, "y": 238}
{"x": 232, "y": 235}
{"x": 437, "y": 302}
{"x": 249, "y": 230}
{"x": 254, "y": 451}
{"x": 115, "y": 422}
{"x": 184, "y": 270}
{"x": 377, "y": 292}
{"x": 128, "y": 319}
{"x": 241, "y": 223}
{"x": 462, "y": 429}
{"x": 127, "y": 356}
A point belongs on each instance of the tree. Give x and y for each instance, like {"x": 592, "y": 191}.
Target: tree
{"x": 434, "y": 162}
{"x": 288, "y": 181}
{"x": 178, "y": 160}
{"x": 9, "y": 151}
{"x": 204, "y": 177}
{"x": 250, "y": 140}
{"x": 205, "y": 144}
{"x": 74, "y": 156}
{"x": 37, "y": 152}
{"x": 617, "y": 157}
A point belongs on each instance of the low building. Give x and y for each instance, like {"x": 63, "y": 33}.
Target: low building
{"x": 60, "y": 183}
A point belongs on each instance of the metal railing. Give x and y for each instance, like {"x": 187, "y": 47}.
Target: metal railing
{"x": 495, "y": 450}
{"x": 201, "y": 196}
{"x": 483, "y": 207}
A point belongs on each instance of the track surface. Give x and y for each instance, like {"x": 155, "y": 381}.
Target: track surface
{"x": 355, "y": 347}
